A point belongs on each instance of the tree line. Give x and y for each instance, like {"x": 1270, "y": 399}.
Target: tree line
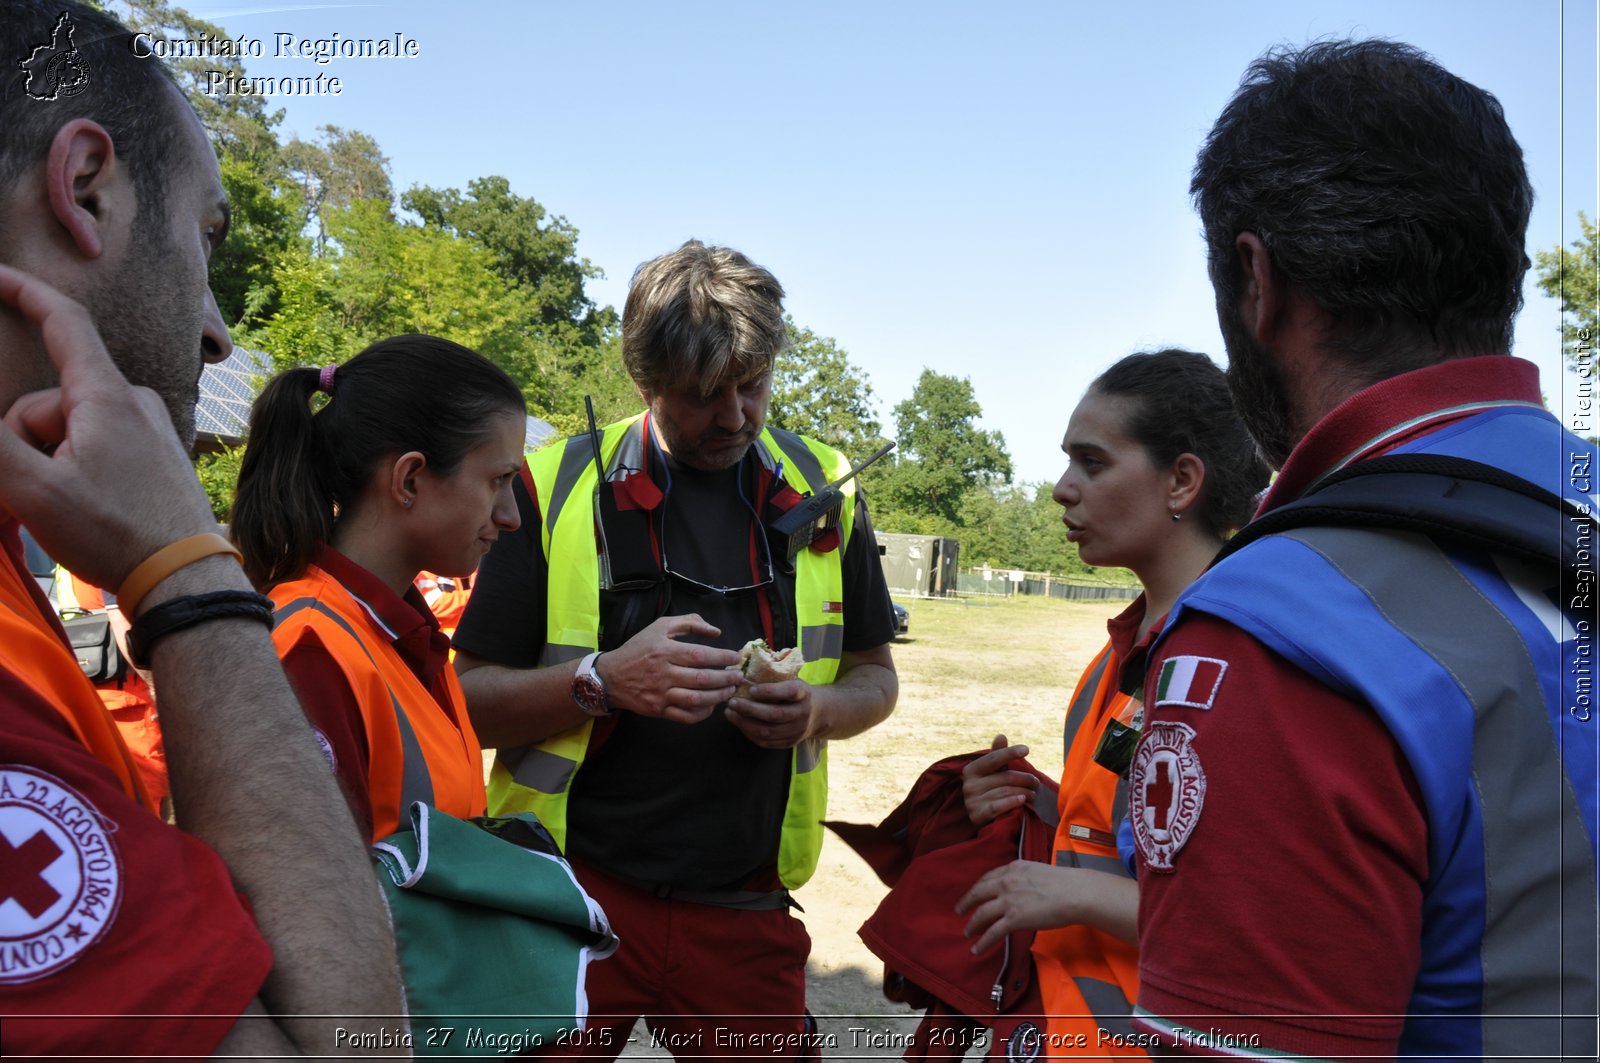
{"x": 323, "y": 257}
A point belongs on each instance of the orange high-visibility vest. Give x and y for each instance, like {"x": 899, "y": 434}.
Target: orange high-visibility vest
{"x": 35, "y": 652}
{"x": 128, "y": 700}
{"x": 1089, "y": 979}
{"x": 132, "y": 708}
{"x": 415, "y": 751}
{"x": 447, "y": 596}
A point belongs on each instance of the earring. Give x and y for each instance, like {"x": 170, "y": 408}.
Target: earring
{"x": 1176, "y": 516}
{"x": 407, "y": 503}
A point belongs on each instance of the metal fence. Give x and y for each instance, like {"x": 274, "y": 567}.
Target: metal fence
{"x": 1004, "y": 583}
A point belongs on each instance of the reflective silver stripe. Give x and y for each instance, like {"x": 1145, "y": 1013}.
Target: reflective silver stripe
{"x": 1533, "y": 965}
{"x": 1110, "y": 1008}
{"x": 1045, "y": 807}
{"x": 800, "y": 456}
{"x": 537, "y": 769}
{"x": 1076, "y": 714}
{"x": 808, "y": 754}
{"x": 1119, "y": 805}
{"x": 1079, "y": 709}
{"x": 822, "y": 642}
{"x": 629, "y": 455}
{"x": 578, "y": 453}
{"x": 555, "y": 653}
{"x": 415, "y": 782}
{"x": 1111, "y": 865}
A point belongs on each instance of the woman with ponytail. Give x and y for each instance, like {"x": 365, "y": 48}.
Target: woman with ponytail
{"x": 1160, "y": 471}
{"x": 405, "y": 464}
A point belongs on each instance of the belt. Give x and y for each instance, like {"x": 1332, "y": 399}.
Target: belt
{"x": 743, "y": 900}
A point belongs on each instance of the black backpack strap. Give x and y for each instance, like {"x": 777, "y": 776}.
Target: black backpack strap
{"x": 1451, "y": 499}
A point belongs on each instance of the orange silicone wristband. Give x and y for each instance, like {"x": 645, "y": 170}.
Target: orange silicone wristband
{"x": 167, "y": 560}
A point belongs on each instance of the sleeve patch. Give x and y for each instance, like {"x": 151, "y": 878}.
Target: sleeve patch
{"x": 327, "y": 749}
{"x": 1166, "y": 793}
{"x": 1190, "y": 682}
{"x": 62, "y": 886}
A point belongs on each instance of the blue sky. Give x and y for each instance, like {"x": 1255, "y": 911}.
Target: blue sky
{"x": 994, "y": 191}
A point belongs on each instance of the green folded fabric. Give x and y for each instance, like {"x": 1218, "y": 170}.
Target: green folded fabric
{"x": 495, "y": 934}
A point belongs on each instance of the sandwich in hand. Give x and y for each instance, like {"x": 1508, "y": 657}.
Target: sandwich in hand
{"x": 760, "y": 663}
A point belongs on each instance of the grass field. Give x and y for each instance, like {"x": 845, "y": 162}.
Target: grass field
{"x": 969, "y": 669}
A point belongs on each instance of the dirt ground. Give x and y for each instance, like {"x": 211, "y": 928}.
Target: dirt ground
{"x": 968, "y": 669}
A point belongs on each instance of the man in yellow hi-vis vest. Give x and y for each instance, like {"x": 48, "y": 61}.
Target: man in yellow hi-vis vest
{"x": 599, "y": 655}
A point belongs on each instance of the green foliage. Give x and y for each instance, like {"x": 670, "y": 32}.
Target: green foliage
{"x": 942, "y": 454}
{"x": 336, "y": 172}
{"x": 303, "y": 328}
{"x": 378, "y": 278}
{"x": 219, "y": 472}
{"x": 264, "y": 227}
{"x": 473, "y": 270}
{"x": 887, "y": 516}
{"x": 530, "y": 248}
{"x": 1573, "y": 277}
{"x": 817, "y": 391}
{"x": 571, "y": 347}
{"x": 603, "y": 379}
{"x": 1020, "y": 527}
{"x": 267, "y": 214}
{"x": 952, "y": 478}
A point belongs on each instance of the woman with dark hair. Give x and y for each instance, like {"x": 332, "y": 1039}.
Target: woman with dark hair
{"x": 1160, "y": 471}
{"x": 406, "y": 466}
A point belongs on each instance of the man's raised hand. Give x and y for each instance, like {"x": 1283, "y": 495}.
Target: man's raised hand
{"x": 92, "y": 466}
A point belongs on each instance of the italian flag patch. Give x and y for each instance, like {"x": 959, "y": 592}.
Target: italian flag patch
{"x": 1190, "y": 681}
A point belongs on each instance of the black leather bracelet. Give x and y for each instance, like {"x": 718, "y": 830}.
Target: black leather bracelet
{"x": 186, "y": 612}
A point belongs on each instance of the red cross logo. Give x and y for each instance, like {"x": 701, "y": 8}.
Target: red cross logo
{"x": 58, "y": 862}
{"x": 1158, "y": 793}
{"x": 1168, "y": 792}
{"x": 21, "y": 873}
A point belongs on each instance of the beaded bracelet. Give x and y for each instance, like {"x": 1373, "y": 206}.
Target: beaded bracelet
{"x": 177, "y": 614}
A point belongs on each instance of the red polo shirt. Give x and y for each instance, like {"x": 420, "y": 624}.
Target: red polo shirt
{"x": 1292, "y": 911}
{"x": 114, "y": 926}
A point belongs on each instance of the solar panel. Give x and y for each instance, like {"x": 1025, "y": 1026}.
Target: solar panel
{"x": 226, "y": 391}
{"x": 228, "y": 388}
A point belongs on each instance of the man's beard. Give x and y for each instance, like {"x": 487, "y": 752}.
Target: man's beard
{"x": 711, "y": 451}
{"x": 1259, "y": 397}
{"x": 153, "y": 335}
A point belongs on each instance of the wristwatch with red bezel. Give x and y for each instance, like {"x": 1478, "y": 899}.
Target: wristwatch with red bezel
{"x": 587, "y": 689}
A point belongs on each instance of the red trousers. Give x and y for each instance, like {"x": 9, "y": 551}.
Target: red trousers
{"x": 708, "y": 981}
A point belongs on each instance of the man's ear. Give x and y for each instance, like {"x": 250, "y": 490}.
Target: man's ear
{"x": 1262, "y": 300}
{"x": 81, "y": 173}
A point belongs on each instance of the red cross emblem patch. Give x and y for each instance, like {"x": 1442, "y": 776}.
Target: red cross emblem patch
{"x": 60, "y": 876}
{"x": 1168, "y": 789}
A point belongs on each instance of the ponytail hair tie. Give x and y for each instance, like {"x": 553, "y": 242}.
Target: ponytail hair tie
{"x": 325, "y": 379}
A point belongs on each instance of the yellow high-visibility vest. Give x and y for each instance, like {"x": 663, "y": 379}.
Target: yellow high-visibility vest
{"x": 538, "y": 778}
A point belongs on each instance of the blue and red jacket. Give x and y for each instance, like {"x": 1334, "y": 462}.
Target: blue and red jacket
{"x": 1481, "y": 669}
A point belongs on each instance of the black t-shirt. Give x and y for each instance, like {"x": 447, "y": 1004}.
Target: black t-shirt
{"x": 697, "y": 806}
